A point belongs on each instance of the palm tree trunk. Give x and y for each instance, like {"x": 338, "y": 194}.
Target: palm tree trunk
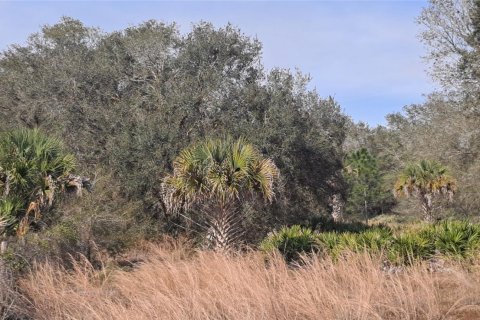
{"x": 337, "y": 207}
{"x": 365, "y": 206}
{"x": 224, "y": 227}
{"x": 6, "y": 189}
{"x": 427, "y": 208}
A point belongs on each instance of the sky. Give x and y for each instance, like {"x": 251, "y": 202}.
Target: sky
{"x": 366, "y": 54}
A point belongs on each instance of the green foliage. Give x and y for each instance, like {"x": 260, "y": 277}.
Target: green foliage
{"x": 425, "y": 180}
{"x": 32, "y": 168}
{"x": 8, "y": 210}
{"x": 367, "y": 193}
{"x": 409, "y": 247}
{"x": 291, "y": 242}
{"x": 374, "y": 240}
{"x": 223, "y": 169}
{"x": 457, "y": 239}
{"x": 218, "y": 174}
{"x": 331, "y": 243}
{"x": 424, "y": 177}
{"x": 451, "y": 239}
{"x": 129, "y": 102}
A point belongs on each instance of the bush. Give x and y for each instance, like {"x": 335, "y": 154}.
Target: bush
{"x": 291, "y": 242}
{"x": 330, "y": 243}
{"x": 458, "y": 239}
{"x": 453, "y": 239}
{"x": 374, "y": 240}
{"x": 409, "y": 247}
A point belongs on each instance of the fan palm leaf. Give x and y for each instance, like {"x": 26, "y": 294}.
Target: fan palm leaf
{"x": 32, "y": 168}
{"x": 220, "y": 171}
{"x": 425, "y": 180}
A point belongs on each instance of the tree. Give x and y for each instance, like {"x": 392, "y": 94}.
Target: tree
{"x": 426, "y": 180}
{"x": 34, "y": 169}
{"x": 452, "y": 36}
{"x": 218, "y": 174}
{"x": 366, "y": 183}
{"x": 128, "y": 102}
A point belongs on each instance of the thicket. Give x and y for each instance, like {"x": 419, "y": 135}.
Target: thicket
{"x": 134, "y": 107}
{"x": 127, "y": 102}
{"x": 458, "y": 240}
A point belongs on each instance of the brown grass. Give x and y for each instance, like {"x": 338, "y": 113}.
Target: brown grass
{"x": 176, "y": 285}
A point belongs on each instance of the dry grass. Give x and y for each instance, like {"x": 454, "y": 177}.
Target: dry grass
{"x": 177, "y": 285}
{"x": 11, "y": 302}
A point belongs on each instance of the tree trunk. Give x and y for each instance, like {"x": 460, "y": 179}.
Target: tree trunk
{"x": 427, "y": 208}
{"x": 365, "y": 206}
{"x": 3, "y": 246}
{"x": 224, "y": 227}
{"x": 337, "y": 207}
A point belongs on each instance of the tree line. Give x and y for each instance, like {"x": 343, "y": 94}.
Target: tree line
{"x": 126, "y": 103}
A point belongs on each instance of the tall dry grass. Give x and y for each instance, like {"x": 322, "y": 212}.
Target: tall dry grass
{"x": 207, "y": 285}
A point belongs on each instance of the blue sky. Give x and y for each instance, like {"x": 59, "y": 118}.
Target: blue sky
{"x": 364, "y": 53}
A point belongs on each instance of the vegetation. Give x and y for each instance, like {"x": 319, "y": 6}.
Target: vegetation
{"x": 143, "y": 108}
{"x": 450, "y": 239}
{"x": 219, "y": 174}
{"x": 291, "y": 242}
{"x": 445, "y": 128}
{"x": 366, "y": 192}
{"x": 128, "y": 102}
{"x": 34, "y": 169}
{"x": 426, "y": 180}
{"x": 245, "y": 287}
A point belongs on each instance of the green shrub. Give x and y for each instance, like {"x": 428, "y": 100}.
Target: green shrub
{"x": 374, "y": 240}
{"x": 291, "y": 242}
{"x": 409, "y": 247}
{"x": 457, "y": 239}
{"x": 330, "y": 243}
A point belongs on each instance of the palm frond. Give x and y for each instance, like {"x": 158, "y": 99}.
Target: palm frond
{"x": 425, "y": 177}
{"x": 216, "y": 168}
{"x": 34, "y": 167}
{"x": 219, "y": 171}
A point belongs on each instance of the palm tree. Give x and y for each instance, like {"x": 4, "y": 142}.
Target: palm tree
{"x": 218, "y": 174}
{"x": 34, "y": 168}
{"x": 426, "y": 180}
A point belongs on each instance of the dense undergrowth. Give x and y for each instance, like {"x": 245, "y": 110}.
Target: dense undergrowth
{"x": 126, "y": 103}
{"x": 458, "y": 240}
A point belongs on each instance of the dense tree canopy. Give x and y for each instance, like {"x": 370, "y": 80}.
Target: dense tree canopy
{"x": 129, "y": 101}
